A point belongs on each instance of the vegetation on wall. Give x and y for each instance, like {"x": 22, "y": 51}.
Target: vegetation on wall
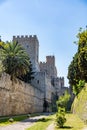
{"x": 29, "y": 75}
{"x": 77, "y": 70}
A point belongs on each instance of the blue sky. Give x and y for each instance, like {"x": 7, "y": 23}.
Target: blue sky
{"x": 55, "y": 22}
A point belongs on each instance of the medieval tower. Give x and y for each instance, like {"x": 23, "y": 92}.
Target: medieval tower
{"x": 49, "y": 66}
{"x": 45, "y": 77}
{"x": 31, "y": 45}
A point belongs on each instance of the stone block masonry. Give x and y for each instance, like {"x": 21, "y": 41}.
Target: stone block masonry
{"x": 19, "y": 97}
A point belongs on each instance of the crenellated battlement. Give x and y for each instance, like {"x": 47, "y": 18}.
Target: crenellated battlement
{"x": 50, "y": 59}
{"x": 41, "y": 63}
{"x": 25, "y": 37}
{"x": 61, "y": 78}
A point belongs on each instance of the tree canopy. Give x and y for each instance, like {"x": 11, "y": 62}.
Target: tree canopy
{"x": 15, "y": 60}
{"x": 77, "y": 69}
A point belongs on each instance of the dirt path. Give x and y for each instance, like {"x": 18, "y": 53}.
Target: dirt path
{"x": 51, "y": 127}
{"x": 85, "y": 128}
{"x": 22, "y": 125}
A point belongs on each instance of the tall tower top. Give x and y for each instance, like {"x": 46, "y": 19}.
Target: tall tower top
{"x": 50, "y": 60}
{"x": 29, "y": 38}
{"x": 31, "y": 45}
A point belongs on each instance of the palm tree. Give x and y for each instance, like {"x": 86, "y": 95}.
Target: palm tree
{"x": 15, "y": 59}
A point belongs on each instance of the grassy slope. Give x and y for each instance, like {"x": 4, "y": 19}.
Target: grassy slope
{"x": 80, "y": 104}
{"x": 73, "y": 123}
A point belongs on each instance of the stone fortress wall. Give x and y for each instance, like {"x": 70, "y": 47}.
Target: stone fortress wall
{"x": 45, "y": 72}
{"x": 21, "y": 98}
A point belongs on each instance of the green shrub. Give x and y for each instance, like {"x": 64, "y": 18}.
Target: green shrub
{"x": 60, "y": 117}
{"x": 62, "y": 104}
{"x": 63, "y": 100}
{"x": 42, "y": 119}
{"x": 28, "y": 115}
{"x": 60, "y": 120}
{"x": 11, "y": 120}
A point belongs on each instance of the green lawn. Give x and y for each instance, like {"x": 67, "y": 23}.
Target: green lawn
{"x": 42, "y": 124}
{"x": 5, "y": 121}
{"x": 73, "y": 123}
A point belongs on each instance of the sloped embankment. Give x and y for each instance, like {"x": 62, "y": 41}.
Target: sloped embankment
{"x": 79, "y": 106}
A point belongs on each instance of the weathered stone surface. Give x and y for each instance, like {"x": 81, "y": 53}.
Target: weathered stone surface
{"x": 19, "y": 97}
